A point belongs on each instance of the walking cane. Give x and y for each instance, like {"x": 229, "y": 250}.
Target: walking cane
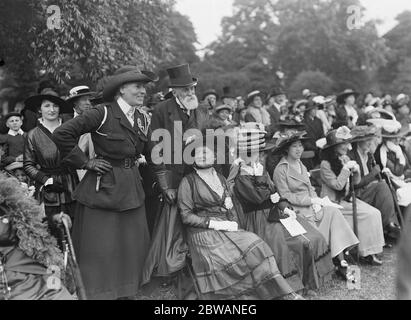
{"x": 81, "y": 291}
{"x": 394, "y": 196}
{"x": 354, "y": 211}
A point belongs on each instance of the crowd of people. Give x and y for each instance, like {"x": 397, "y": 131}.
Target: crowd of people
{"x": 337, "y": 167}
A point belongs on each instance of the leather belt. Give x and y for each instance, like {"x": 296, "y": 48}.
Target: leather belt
{"x": 126, "y": 163}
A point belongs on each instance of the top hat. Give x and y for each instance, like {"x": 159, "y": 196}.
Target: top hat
{"x": 210, "y": 92}
{"x": 337, "y": 136}
{"x": 180, "y": 77}
{"x": 346, "y": 93}
{"x": 275, "y": 92}
{"x": 79, "y": 91}
{"x": 285, "y": 139}
{"x": 33, "y": 103}
{"x": 125, "y": 75}
{"x": 227, "y": 93}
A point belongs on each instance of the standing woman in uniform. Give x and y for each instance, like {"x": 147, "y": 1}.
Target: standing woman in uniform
{"x": 54, "y": 182}
{"x": 110, "y": 233}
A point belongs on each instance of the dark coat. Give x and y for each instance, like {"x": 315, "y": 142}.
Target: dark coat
{"x": 365, "y": 179}
{"x": 315, "y": 131}
{"x": 120, "y": 189}
{"x": 275, "y": 116}
{"x": 13, "y": 147}
{"x": 166, "y": 115}
{"x": 341, "y": 117}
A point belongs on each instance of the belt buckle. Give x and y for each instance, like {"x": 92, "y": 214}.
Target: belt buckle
{"x": 127, "y": 163}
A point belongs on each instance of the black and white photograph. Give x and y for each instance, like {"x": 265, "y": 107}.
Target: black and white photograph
{"x": 201, "y": 156}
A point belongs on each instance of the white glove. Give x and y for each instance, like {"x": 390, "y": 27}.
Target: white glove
{"x": 356, "y": 168}
{"x": 49, "y": 181}
{"x": 258, "y": 169}
{"x": 275, "y": 198}
{"x": 290, "y": 213}
{"x": 317, "y": 208}
{"x": 387, "y": 171}
{"x": 223, "y": 225}
{"x": 350, "y": 165}
{"x": 317, "y": 201}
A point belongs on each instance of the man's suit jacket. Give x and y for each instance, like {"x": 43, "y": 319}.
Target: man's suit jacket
{"x": 169, "y": 116}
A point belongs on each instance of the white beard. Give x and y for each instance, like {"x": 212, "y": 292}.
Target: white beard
{"x": 190, "y": 103}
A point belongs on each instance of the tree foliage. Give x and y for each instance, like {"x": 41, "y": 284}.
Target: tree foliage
{"x": 295, "y": 36}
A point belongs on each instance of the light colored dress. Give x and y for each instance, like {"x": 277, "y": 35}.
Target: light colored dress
{"x": 370, "y": 231}
{"x": 297, "y": 189}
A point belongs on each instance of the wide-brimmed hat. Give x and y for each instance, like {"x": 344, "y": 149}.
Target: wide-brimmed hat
{"x": 223, "y": 107}
{"x": 337, "y": 136}
{"x": 227, "y": 93}
{"x": 285, "y": 139}
{"x": 180, "y": 77}
{"x": 210, "y": 92}
{"x": 363, "y": 133}
{"x": 79, "y": 91}
{"x": 299, "y": 103}
{"x": 384, "y": 113}
{"x": 12, "y": 114}
{"x": 346, "y": 93}
{"x": 290, "y": 123}
{"x": 33, "y": 103}
{"x": 252, "y": 95}
{"x": 251, "y": 139}
{"x": 393, "y": 129}
{"x": 124, "y": 75}
{"x": 13, "y": 166}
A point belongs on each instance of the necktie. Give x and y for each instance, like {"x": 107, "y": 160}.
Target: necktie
{"x": 130, "y": 115}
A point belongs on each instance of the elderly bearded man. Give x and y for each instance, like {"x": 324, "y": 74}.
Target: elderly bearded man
{"x": 175, "y": 116}
{"x": 110, "y": 232}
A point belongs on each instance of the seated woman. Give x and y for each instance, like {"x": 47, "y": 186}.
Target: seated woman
{"x": 336, "y": 169}
{"x": 303, "y": 260}
{"x": 372, "y": 189}
{"x": 395, "y": 164}
{"x": 27, "y": 251}
{"x": 293, "y": 183}
{"x": 229, "y": 263}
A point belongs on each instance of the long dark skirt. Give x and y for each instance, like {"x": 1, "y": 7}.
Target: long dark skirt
{"x": 309, "y": 255}
{"x": 235, "y": 265}
{"x": 111, "y": 248}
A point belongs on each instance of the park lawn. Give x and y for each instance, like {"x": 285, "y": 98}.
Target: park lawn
{"x": 377, "y": 283}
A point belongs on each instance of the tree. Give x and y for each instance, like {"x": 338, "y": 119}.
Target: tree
{"x": 396, "y": 76}
{"x": 295, "y": 36}
{"x": 315, "y": 81}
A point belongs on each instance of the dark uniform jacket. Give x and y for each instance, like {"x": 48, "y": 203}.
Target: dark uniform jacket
{"x": 167, "y": 115}
{"x": 116, "y": 141}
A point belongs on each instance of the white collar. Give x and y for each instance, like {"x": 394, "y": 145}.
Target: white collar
{"x": 75, "y": 114}
{"x": 124, "y": 106}
{"x": 14, "y": 133}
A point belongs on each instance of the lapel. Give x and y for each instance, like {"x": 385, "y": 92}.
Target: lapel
{"x": 174, "y": 117}
{"x": 302, "y": 177}
{"x": 119, "y": 114}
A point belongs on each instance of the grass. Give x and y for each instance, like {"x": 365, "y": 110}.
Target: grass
{"x": 377, "y": 283}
